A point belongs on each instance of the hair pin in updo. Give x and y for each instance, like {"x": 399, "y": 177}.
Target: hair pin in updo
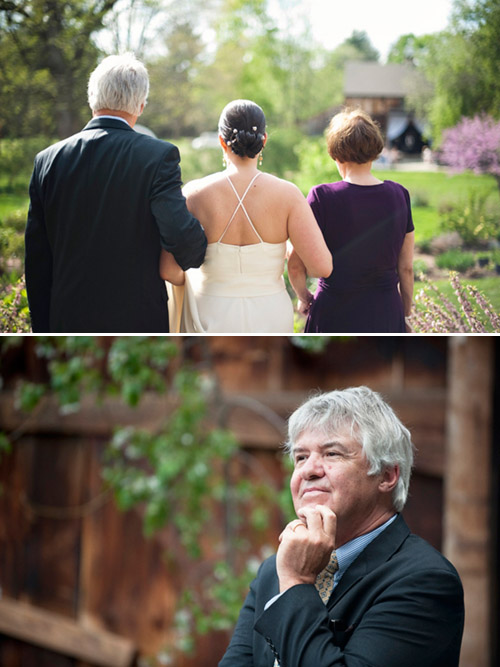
{"x": 235, "y": 131}
{"x": 254, "y": 128}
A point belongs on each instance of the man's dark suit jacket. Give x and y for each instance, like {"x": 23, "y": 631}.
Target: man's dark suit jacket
{"x": 103, "y": 202}
{"x": 399, "y": 604}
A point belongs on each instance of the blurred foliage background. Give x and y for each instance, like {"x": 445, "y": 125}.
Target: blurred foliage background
{"x": 203, "y": 53}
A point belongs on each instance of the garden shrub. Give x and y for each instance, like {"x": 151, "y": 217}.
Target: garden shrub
{"x": 473, "y": 144}
{"x": 198, "y": 163}
{"x": 420, "y": 198}
{"x": 12, "y": 229}
{"x": 456, "y": 260}
{"x": 14, "y": 312}
{"x": 473, "y": 220}
{"x": 315, "y": 165}
{"x": 16, "y": 159}
{"x": 420, "y": 266}
{"x": 281, "y": 155}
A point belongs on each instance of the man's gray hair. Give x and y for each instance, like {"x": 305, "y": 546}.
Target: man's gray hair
{"x": 120, "y": 83}
{"x": 372, "y": 422}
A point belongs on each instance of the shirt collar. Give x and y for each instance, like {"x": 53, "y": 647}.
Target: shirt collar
{"x": 347, "y": 553}
{"x": 114, "y": 118}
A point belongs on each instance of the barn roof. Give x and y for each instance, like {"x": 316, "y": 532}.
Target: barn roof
{"x": 369, "y": 79}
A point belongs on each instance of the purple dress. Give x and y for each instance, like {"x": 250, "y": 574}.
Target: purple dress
{"x": 364, "y": 227}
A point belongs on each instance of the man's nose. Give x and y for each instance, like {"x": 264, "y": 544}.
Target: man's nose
{"x": 313, "y": 467}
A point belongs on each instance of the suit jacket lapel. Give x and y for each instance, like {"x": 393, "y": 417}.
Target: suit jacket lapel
{"x": 376, "y": 553}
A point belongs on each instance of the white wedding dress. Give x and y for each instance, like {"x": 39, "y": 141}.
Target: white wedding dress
{"x": 238, "y": 289}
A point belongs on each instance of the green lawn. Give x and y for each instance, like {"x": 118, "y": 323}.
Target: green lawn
{"x": 439, "y": 186}
{"x": 431, "y": 190}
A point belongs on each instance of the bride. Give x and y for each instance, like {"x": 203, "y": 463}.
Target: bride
{"x": 248, "y": 217}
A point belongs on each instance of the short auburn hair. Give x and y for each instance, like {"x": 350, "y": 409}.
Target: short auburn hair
{"x": 352, "y": 136}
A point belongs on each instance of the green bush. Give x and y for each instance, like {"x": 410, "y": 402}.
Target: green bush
{"x": 198, "y": 163}
{"x": 14, "y": 312}
{"x": 456, "y": 260}
{"x": 420, "y": 198}
{"x": 282, "y": 152}
{"x": 12, "y": 228}
{"x": 473, "y": 219}
{"x": 315, "y": 165}
{"x": 424, "y": 245}
{"x": 420, "y": 266}
{"x": 16, "y": 160}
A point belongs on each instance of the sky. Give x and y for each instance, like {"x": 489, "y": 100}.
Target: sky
{"x": 333, "y": 21}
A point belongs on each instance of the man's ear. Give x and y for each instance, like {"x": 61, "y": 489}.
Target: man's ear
{"x": 389, "y": 479}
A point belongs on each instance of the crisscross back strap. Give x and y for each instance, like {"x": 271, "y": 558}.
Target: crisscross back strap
{"x": 242, "y": 206}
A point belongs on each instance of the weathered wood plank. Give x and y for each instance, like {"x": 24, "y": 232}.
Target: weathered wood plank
{"x": 258, "y": 419}
{"x": 62, "y": 635}
{"x": 467, "y": 522}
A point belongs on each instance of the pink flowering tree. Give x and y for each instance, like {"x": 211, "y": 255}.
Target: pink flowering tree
{"x": 473, "y": 144}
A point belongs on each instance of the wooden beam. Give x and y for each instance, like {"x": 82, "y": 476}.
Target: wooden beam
{"x": 64, "y": 636}
{"x": 258, "y": 419}
{"x": 468, "y": 487}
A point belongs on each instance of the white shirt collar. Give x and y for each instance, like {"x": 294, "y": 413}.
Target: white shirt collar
{"x": 114, "y": 118}
{"x": 347, "y": 553}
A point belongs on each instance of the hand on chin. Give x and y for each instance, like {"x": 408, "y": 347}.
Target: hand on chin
{"x": 313, "y": 498}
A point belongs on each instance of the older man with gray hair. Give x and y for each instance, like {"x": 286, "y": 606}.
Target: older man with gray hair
{"x": 350, "y": 585}
{"x": 103, "y": 203}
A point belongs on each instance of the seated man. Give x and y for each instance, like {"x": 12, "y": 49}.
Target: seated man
{"x": 350, "y": 585}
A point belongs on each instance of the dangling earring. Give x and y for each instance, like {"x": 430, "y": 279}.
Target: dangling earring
{"x": 261, "y": 158}
{"x": 224, "y": 160}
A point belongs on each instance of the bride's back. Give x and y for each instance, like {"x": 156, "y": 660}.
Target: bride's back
{"x": 213, "y": 202}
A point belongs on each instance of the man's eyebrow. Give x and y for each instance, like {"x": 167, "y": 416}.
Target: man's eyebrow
{"x": 324, "y": 445}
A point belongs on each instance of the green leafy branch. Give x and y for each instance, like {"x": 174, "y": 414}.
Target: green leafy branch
{"x": 178, "y": 475}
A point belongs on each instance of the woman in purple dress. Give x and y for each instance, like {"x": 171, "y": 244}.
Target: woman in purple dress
{"x": 368, "y": 227}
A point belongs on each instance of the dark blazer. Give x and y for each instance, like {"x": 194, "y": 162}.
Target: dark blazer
{"x": 102, "y": 203}
{"x": 399, "y": 604}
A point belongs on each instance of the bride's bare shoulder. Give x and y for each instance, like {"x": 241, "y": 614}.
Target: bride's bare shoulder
{"x": 197, "y": 186}
{"x": 286, "y": 188}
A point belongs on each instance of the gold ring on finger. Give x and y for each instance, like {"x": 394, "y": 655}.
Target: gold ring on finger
{"x": 297, "y": 525}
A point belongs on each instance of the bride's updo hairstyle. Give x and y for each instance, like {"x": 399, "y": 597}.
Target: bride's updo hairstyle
{"x": 242, "y": 125}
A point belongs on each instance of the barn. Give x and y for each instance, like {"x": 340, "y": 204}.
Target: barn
{"x": 380, "y": 90}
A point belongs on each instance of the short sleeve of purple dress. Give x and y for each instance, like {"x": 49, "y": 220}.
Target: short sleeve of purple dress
{"x": 364, "y": 227}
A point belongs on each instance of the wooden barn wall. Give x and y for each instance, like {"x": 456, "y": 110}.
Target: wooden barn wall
{"x": 93, "y": 564}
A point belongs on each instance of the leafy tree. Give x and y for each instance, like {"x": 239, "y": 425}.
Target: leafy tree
{"x": 140, "y": 25}
{"x": 360, "y": 41}
{"x": 281, "y": 70}
{"x": 174, "y": 107}
{"x": 479, "y": 23}
{"x": 447, "y": 66}
{"x": 132, "y": 25}
{"x": 460, "y": 66}
{"x": 47, "y": 53}
{"x": 409, "y": 49}
{"x": 245, "y": 39}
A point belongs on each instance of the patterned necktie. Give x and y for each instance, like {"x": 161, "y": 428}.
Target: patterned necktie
{"x": 324, "y": 580}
